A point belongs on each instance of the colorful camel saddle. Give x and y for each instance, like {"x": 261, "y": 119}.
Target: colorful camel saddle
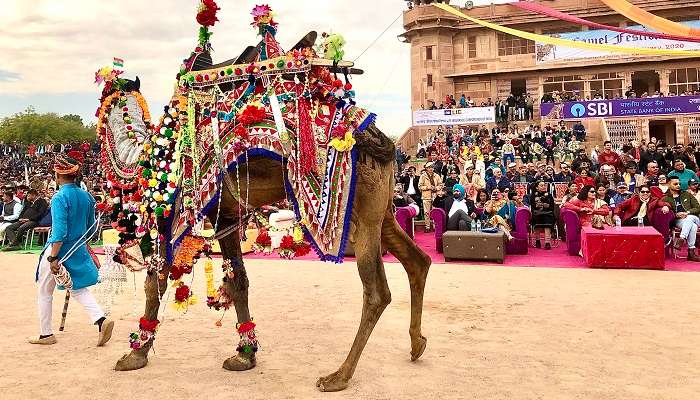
{"x": 314, "y": 142}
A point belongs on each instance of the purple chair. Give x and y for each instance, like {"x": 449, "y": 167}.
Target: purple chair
{"x": 404, "y": 216}
{"x": 662, "y": 223}
{"x": 519, "y": 244}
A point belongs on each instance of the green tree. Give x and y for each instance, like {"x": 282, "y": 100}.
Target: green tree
{"x": 32, "y": 127}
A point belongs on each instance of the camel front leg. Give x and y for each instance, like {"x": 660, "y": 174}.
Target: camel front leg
{"x": 376, "y": 296}
{"x": 237, "y": 289}
{"x": 138, "y": 358}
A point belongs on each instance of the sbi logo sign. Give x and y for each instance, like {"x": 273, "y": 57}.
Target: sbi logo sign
{"x": 592, "y": 109}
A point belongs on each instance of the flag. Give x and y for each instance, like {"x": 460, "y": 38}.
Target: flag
{"x": 118, "y": 62}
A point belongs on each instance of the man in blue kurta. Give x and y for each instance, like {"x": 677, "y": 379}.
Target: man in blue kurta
{"x": 73, "y": 224}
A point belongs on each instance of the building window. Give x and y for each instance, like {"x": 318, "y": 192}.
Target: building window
{"x": 509, "y": 45}
{"x": 607, "y": 85}
{"x": 565, "y": 87}
{"x": 471, "y": 47}
{"x": 683, "y": 80}
{"x": 430, "y": 80}
{"x": 429, "y": 53}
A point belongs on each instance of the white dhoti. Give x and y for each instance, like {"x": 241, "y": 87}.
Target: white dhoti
{"x": 3, "y": 226}
{"x": 47, "y": 284}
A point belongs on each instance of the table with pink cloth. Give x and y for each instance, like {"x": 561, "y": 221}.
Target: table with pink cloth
{"x": 623, "y": 247}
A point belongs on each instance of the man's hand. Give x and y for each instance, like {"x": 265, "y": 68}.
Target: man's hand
{"x": 681, "y": 215}
{"x": 54, "y": 267}
{"x": 473, "y": 215}
{"x": 665, "y": 209}
{"x": 23, "y": 220}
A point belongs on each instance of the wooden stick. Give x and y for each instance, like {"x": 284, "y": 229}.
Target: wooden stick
{"x": 65, "y": 311}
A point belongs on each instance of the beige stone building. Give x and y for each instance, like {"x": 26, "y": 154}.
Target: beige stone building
{"x": 451, "y": 56}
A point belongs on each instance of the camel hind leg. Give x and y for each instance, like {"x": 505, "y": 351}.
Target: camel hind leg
{"x": 416, "y": 263}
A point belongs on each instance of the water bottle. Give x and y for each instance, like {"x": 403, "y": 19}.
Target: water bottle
{"x": 478, "y": 225}
{"x": 473, "y": 226}
{"x": 640, "y": 222}
{"x": 618, "y": 223}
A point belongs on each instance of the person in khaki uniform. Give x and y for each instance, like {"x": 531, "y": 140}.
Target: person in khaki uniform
{"x": 429, "y": 184}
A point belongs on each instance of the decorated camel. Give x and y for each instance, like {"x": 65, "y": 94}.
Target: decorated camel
{"x": 264, "y": 127}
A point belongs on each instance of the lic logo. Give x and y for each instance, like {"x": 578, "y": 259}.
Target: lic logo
{"x": 578, "y": 110}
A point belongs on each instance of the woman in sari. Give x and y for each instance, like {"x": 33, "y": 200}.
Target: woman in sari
{"x": 499, "y": 212}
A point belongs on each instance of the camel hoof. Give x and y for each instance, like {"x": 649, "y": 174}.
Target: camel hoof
{"x": 239, "y": 363}
{"x": 334, "y": 382}
{"x": 131, "y": 361}
{"x": 418, "y": 347}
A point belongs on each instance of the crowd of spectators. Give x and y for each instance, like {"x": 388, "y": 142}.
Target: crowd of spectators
{"x": 560, "y": 97}
{"x": 487, "y": 174}
{"x": 28, "y": 184}
{"x": 512, "y": 108}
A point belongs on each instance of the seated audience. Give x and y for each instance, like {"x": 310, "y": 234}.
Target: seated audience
{"x": 571, "y": 193}
{"x": 459, "y": 209}
{"x": 33, "y": 210}
{"x": 542, "y": 206}
{"x": 683, "y": 174}
{"x": 11, "y": 209}
{"x": 498, "y": 212}
{"x": 686, "y": 209}
{"x": 640, "y": 206}
{"x": 591, "y": 210}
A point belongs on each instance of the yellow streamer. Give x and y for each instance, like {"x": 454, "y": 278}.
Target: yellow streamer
{"x": 568, "y": 43}
{"x": 650, "y": 20}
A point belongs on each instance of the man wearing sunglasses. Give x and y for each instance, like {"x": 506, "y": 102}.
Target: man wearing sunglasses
{"x": 642, "y": 205}
{"x": 687, "y": 209}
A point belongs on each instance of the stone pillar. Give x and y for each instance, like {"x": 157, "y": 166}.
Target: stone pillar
{"x": 681, "y": 130}
{"x": 627, "y": 80}
{"x": 643, "y": 129}
{"x": 663, "y": 80}
{"x": 587, "y": 86}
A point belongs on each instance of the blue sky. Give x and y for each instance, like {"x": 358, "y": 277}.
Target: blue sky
{"x": 51, "y": 49}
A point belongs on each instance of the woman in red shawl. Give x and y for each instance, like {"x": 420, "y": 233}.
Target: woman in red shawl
{"x": 589, "y": 208}
{"x": 644, "y": 205}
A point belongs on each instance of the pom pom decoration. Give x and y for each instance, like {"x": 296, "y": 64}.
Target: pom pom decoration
{"x": 146, "y": 333}
{"x": 263, "y": 243}
{"x": 206, "y": 15}
{"x": 249, "y": 342}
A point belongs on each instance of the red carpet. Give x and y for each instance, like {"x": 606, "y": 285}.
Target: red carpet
{"x": 537, "y": 258}
{"x": 555, "y": 258}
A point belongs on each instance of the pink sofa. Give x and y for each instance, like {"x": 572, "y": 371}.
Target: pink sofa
{"x": 519, "y": 244}
{"x": 662, "y": 223}
{"x": 405, "y": 216}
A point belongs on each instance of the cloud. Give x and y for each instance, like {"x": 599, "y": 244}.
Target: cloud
{"x": 9, "y": 76}
{"x": 59, "y": 45}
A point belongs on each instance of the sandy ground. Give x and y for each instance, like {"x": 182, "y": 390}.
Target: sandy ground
{"x": 493, "y": 333}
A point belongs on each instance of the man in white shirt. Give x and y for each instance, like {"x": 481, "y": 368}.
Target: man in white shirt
{"x": 11, "y": 210}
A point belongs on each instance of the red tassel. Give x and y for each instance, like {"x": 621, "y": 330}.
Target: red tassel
{"x": 307, "y": 145}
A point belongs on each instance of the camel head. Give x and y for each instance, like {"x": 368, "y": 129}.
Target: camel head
{"x": 124, "y": 125}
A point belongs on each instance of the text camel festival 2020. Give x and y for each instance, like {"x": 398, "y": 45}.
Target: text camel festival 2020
{"x": 266, "y": 126}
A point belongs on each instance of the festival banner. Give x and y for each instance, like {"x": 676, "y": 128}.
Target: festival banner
{"x": 637, "y": 107}
{"x": 550, "y": 53}
{"x": 641, "y": 16}
{"x": 454, "y": 116}
{"x": 556, "y": 41}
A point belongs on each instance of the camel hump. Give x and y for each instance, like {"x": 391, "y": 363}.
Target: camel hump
{"x": 373, "y": 142}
